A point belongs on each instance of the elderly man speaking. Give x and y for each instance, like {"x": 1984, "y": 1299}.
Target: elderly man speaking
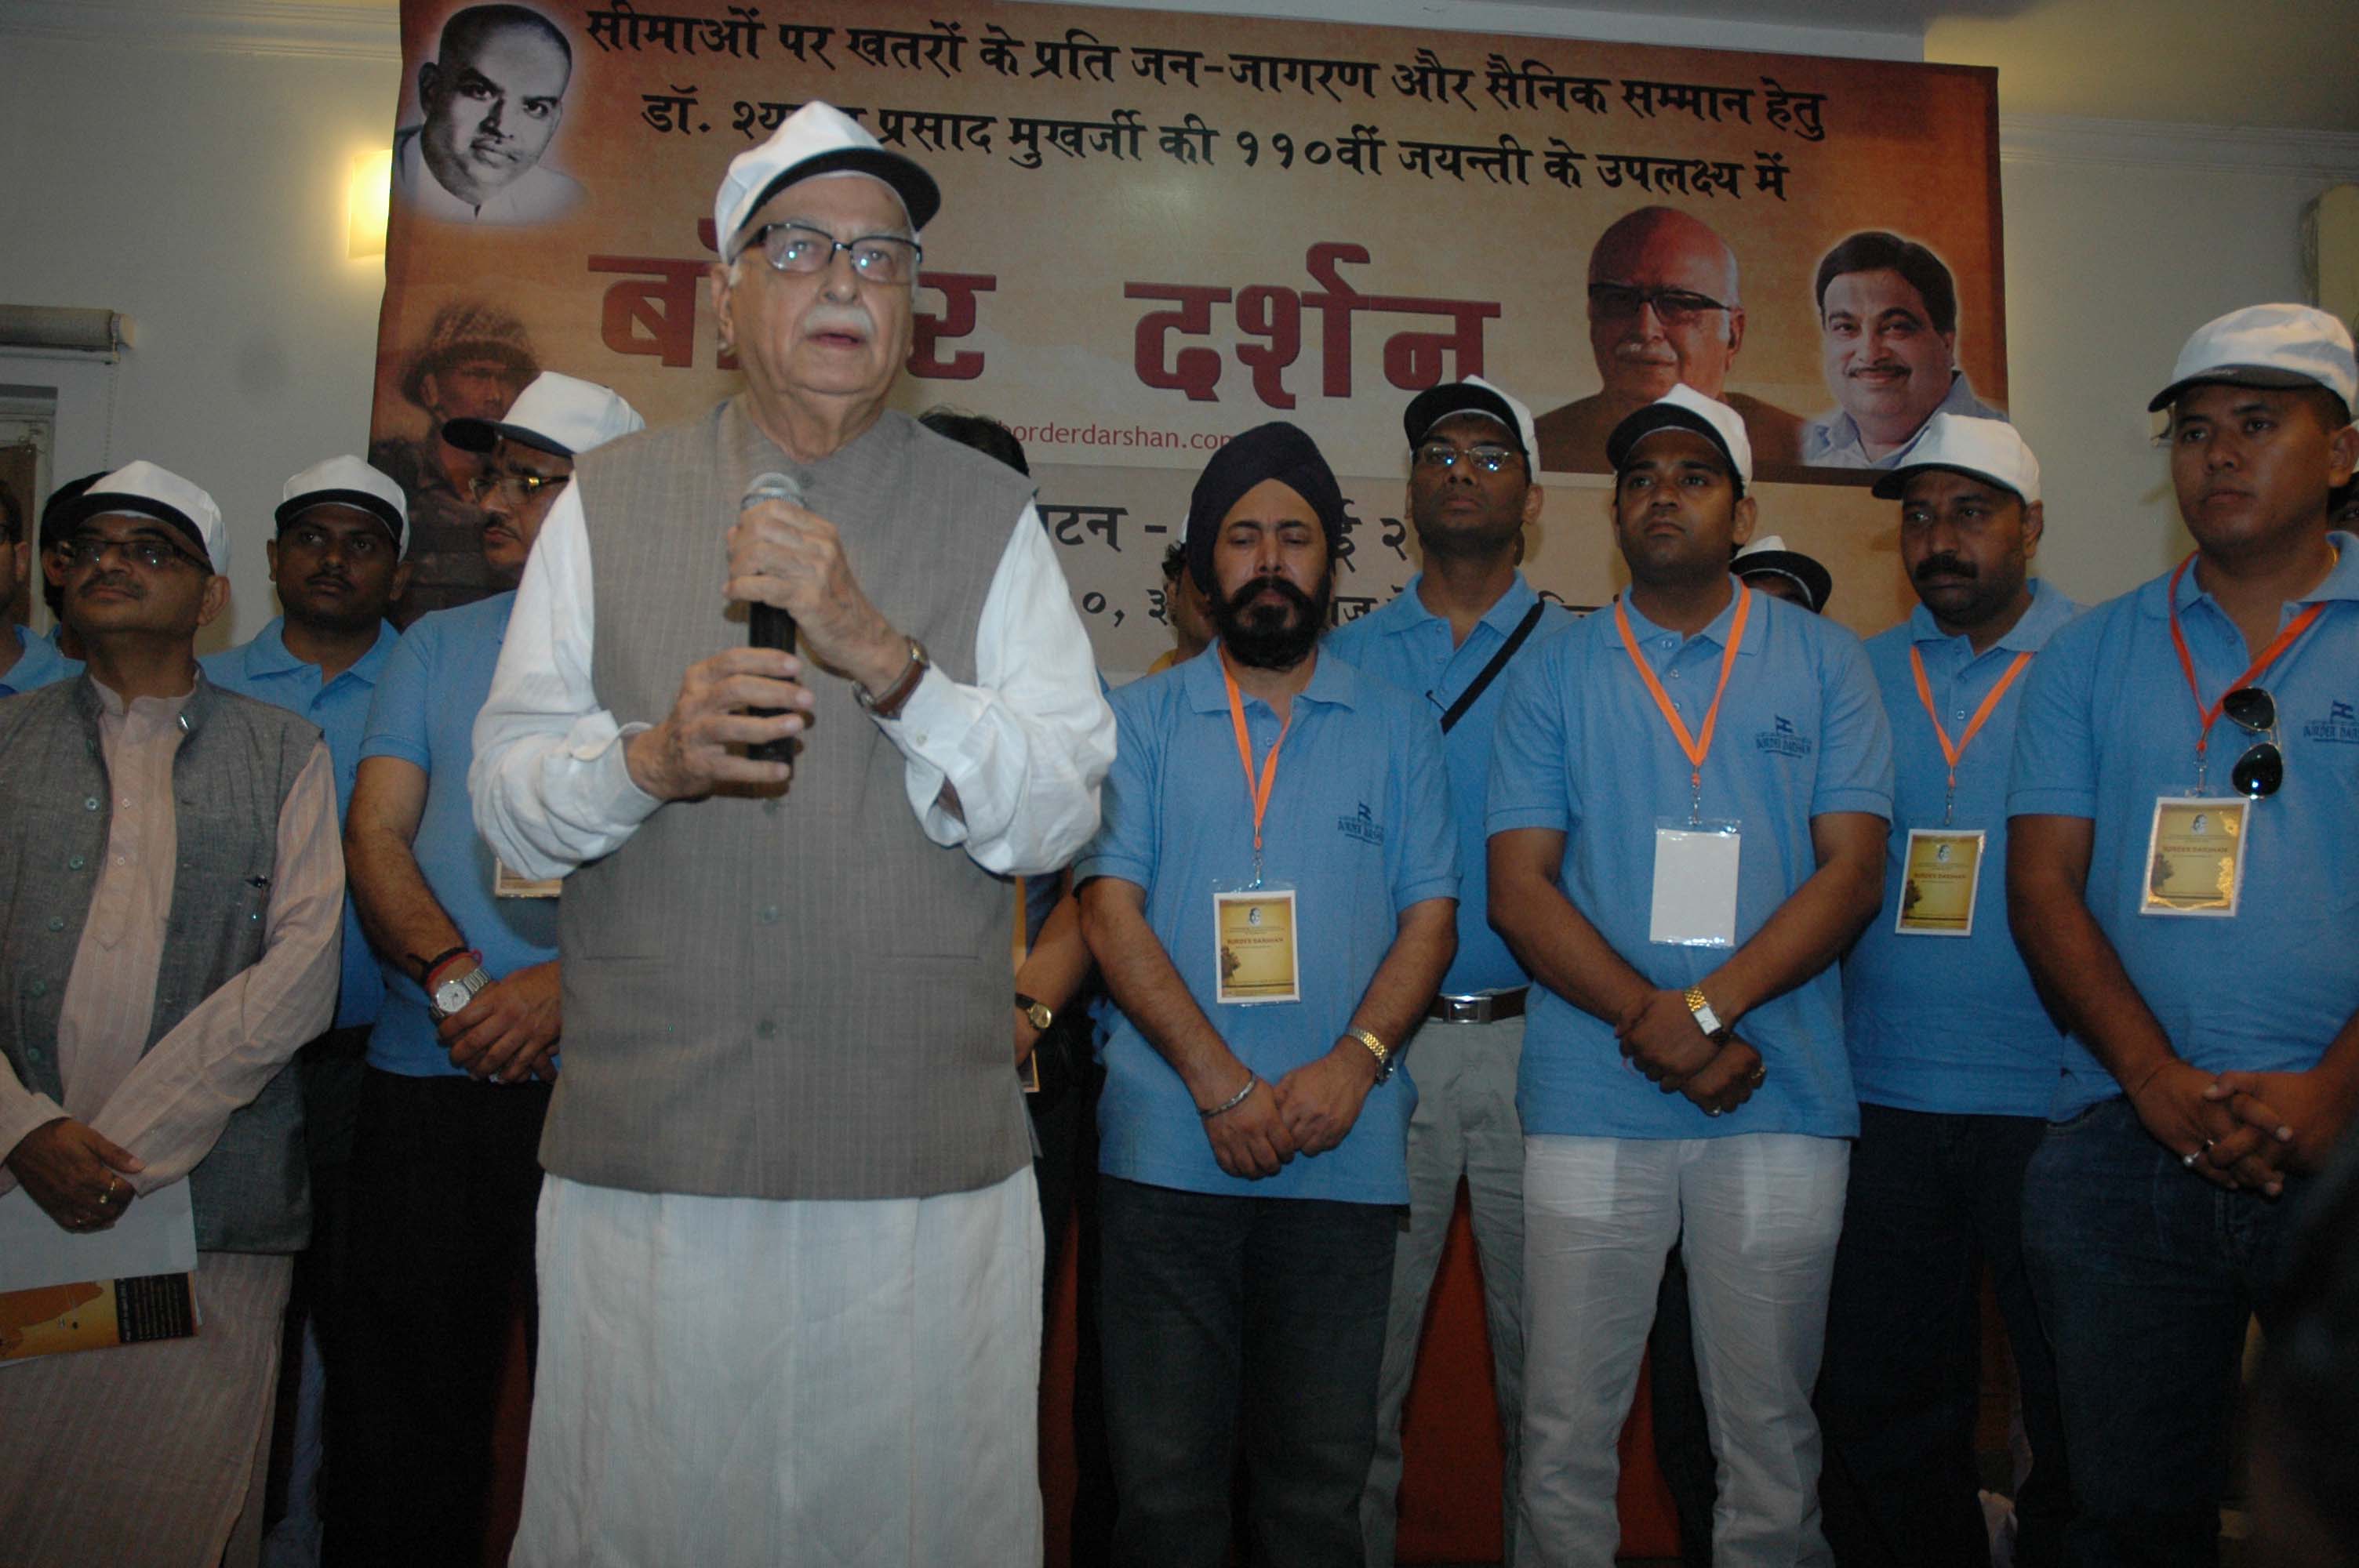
{"x": 790, "y": 1247}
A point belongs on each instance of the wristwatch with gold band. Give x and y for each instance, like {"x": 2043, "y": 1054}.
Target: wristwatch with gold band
{"x": 1706, "y": 1020}
{"x": 1377, "y": 1048}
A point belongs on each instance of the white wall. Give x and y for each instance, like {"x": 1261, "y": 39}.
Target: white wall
{"x": 2120, "y": 241}
{"x": 201, "y": 190}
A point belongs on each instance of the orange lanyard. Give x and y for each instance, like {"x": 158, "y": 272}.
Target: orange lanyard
{"x": 1952, "y": 752}
{"x": 1696, "y": 749}
{"x": 1260, "y": 793}
{"x": 2269, "y": 655}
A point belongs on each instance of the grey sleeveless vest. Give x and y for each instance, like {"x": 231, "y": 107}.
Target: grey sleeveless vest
{"x": 231, "y": 778}
{"x": 800, "y": 996}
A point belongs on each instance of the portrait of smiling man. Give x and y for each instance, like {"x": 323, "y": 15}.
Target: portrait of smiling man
{"x": 1888, "y": 345}
{"x": 492, "y": 99}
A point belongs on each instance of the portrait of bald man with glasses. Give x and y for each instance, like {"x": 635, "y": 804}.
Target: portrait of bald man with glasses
{"x": 1664, "y": 310}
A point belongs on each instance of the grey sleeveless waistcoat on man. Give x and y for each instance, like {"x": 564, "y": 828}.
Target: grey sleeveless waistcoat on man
{"x": 798, "y": 996}
{"x": 231, "y": 778}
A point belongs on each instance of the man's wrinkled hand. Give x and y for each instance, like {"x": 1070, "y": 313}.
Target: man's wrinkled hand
{"x": 784, "y": 555}
{"x": 689, "y": 755}
{"x": 510, "y": 1032}
{"x": 72, "y": 1173}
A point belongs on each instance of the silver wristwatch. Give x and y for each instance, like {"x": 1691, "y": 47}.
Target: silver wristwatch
{"x": 453, "y": 995}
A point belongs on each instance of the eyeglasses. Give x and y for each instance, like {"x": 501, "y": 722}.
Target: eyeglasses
{"x": 2261, "y": 770}
{"x": 1443, "y": 456}
{"x": 1677, "y": 307}
{"x": 527, "y": 486}
{"x": 799, "y": 248}
{"x": 146, "y": 551}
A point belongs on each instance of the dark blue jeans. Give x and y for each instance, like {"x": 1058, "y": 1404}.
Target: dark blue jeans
{"x": 1932, "y": 1198}
{"x": 1250, "y": 1321}
{"x": 2146, "y": 1276}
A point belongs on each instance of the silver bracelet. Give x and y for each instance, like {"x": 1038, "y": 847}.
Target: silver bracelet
{"x": 1234, "y": 1102}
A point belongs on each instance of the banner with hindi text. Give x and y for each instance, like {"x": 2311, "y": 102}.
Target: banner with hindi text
{"x": 1160, "y": 229}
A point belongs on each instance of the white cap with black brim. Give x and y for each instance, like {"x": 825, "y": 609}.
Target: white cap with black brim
{"x": 347, "y": 482}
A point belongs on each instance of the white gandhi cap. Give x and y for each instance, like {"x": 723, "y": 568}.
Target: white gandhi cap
{"x": 816, "y": 139}
{"x": 2268, "y": 345}
{"x": 1685, "y": 409}
{"x": 1987, "y": 449}
{"x": 557, "y": 413}
{"x": 143, "y": 490}
{"x": 347, "y": 482}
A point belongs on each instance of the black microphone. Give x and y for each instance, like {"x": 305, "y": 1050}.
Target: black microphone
{"x": 767, "y": 625}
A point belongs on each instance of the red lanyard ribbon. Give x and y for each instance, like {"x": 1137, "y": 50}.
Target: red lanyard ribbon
{"x": 1697, "y": 748}
{"x": 2286, "y": 639}
{"x": 1259, "y": 793}
{"x": 1951, "y": 751}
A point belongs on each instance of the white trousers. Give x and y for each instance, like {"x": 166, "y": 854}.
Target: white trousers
{"x": 1760, "y": 1214}
{"x": 734, "y": 1380}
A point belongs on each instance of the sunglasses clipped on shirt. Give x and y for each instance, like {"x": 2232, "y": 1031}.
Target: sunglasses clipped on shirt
{"x": 2260, "y": 771}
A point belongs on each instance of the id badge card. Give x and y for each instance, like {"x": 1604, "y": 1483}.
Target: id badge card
{"x": 1938, "y": 882}
{"x": 1695, "y": 884}
{"x": 507, "y": 883}
{"x": 2195, "y": 856}
{"x": 1254, "y": 943}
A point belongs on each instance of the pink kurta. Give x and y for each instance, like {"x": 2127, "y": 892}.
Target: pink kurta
{"x": 147, "y": 1455}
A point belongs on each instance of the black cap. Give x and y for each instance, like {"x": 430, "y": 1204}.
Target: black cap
{"x": 1435, "y": 403}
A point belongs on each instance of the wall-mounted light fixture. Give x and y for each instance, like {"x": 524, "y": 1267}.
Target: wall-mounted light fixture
{"x": 365, "y": 204}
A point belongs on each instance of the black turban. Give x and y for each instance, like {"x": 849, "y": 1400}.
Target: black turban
{"x": 1275, "y": 451}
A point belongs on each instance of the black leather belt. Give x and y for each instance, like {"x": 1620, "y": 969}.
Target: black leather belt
{"x": 1478, "y": 1009}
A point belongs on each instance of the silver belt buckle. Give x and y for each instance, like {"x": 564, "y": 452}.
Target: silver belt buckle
{"x": 1466, "y": 1009}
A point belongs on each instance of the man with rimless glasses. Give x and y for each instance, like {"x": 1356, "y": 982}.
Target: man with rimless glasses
{"x": 1663, "y": 310}
{"x": 789, "y": 1239}
{"x": 170, "y": 937}
{"x": 2181, "y": 876}
{"x": 1450, "y": 634}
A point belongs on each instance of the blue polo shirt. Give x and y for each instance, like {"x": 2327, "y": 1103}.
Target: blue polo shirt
{"x": 1407, "y": 645}
{"x": 39, "y": 663}
{"x": 1583, "y": 750}
{"x": 1358, "y": 825}
{"x": 427, "y": 700}
{"x": 264, "y": 670}
{"x": 1952, "y": 1024}
{"x": 2109, "y": 726}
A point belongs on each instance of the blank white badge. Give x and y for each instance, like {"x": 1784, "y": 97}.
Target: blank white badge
{"x": 1695, "y": 885}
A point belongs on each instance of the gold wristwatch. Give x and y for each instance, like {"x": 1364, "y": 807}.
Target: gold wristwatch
{"x": 1706, "y": 1020}
{"x": 1040, "y": 1012}
{"x": 1377, "y": 1048}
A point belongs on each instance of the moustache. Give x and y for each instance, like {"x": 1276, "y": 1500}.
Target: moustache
{"x": 1945, "y": 566}
{"x": 1253, "y": 590}
{"x": 841, "y": 319}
